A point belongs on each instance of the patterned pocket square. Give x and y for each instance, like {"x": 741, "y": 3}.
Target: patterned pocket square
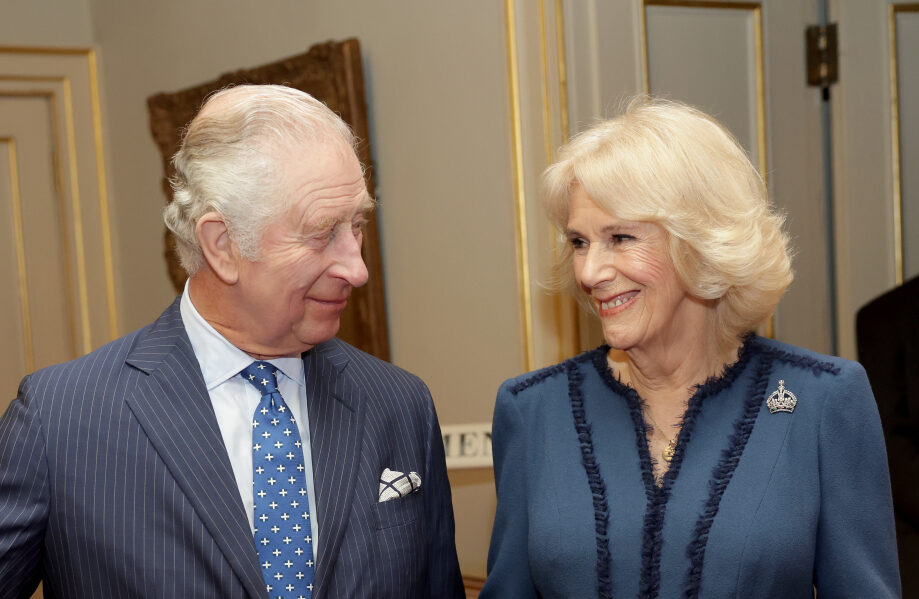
{"x": 395, "y": 484}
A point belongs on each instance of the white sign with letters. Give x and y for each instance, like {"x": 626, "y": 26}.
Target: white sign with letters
{"x": 467, "y": 445}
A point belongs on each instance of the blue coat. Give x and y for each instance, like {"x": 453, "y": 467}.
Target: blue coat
{"x": 114, "y": 480}
{"x": 755, "y": 504}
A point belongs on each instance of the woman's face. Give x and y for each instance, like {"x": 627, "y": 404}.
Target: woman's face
{"x": 625, "y": 268}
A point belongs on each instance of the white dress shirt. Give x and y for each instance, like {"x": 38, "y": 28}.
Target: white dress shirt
{"x": 235, "y": 400}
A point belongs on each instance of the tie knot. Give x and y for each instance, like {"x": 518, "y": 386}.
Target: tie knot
{"x": 262, "y": 375}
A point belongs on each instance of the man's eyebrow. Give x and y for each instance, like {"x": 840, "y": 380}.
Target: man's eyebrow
{"x": 327, "y": 222}
{"x": 369, "y": 204}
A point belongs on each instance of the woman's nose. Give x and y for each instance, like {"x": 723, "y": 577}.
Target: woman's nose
{"x": 596, "y": 268}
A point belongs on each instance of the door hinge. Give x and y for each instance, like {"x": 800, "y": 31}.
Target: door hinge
{"x": 822, "y": 55}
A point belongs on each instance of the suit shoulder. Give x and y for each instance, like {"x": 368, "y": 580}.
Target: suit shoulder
{"x": 548, "y": 375}
{"x": 97, "y": 361}
{"x": 79, "y": 380}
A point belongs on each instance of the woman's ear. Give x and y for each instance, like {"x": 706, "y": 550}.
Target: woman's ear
{"x": 218, "y": 249}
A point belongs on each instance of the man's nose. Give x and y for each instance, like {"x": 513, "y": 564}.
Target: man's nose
{"x": 349, "y": 265}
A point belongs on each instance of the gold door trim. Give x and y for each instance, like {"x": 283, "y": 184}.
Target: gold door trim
{"x": 25, "y": 310}
{"x": 897, "y": 199}
{"x": 523, "y": 261}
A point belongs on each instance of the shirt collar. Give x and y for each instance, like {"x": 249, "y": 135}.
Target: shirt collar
{"x": 219, "y": 359}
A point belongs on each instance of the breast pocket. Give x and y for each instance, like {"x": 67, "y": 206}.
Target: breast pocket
{"x": 401, "y": 511}
{"x": 401, "y": 546}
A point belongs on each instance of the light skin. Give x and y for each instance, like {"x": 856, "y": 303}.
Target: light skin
{"x": 662, "y": 338}
{"x": 291, "y": 298}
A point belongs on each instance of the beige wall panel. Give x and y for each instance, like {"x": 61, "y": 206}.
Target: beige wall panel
{"x": 45, "y": 23}
{"x": 30, "y": 121}
{"x": 907, "y": 45}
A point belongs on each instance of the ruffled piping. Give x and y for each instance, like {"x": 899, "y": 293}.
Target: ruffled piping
{"x": 722, "y": 474}
{"x": 804, "y": 362}
{"x": 594, "y": 479}
{"x": 652, "y": 541}
{"x": 659, "y": 495}
{"x": 550, "y": 371}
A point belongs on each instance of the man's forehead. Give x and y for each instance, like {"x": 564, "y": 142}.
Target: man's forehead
{"x": 324, "y": 175}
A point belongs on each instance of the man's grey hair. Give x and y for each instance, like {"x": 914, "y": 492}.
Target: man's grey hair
{"x": 229, "y": 162}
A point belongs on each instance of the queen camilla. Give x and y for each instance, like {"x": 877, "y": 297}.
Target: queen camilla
{"x": 688, "y": 456}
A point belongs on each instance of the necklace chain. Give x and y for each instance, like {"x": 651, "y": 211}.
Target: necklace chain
{"x": 667, "y": 452}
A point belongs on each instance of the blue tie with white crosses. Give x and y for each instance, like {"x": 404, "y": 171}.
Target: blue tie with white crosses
{"x": 282, "y": 512}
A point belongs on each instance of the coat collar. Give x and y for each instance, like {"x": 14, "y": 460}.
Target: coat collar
{"x": 173, "y": 407}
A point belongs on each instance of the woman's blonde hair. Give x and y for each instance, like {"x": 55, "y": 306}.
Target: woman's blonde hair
{"x": 668, "y": 163}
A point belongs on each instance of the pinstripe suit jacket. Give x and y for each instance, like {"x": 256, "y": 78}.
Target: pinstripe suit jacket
{"x": 114, "y": 480}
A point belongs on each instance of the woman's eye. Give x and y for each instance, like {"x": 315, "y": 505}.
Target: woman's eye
{"x": 577, "y": 243}
{"x": 620, "y": 237}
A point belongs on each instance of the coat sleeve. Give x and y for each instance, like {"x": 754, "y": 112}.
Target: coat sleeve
{"x": 508, "y": 556}
{"x": 23, "y": 499}
{"x": 443, "y": 576}
{"x": 856, "y": 542}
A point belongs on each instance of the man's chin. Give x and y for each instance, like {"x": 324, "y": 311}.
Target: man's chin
{"x": 312, "y": 335}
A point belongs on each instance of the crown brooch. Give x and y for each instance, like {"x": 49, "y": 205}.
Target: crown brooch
{"x": 781, "y": 400}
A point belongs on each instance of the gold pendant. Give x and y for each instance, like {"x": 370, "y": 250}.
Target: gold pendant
{"x": 669, "y": 451}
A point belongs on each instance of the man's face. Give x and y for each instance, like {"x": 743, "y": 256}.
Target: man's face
{"x": 291, "y": 299}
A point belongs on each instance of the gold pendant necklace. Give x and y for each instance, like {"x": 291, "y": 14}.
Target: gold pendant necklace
{"x": 668, "y": 451}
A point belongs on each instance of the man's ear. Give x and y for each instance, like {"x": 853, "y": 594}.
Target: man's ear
{"x": 217, "y": 247}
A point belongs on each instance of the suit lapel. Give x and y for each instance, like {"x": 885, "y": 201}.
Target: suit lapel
{"x": 335, "y": 434}
{"x": 173, "y": 407}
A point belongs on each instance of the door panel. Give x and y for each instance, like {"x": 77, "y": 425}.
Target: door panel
{"x": 55, "y": 251}
{"x": 710, "y": 58}
{"x": 39, "y": 301}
